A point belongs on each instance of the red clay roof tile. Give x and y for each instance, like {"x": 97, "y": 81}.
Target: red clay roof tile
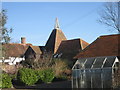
{"x": 14, "y": 49}
{"x": 69, "y": 48}
{"x": 54, "y": 40}
{"x": 108, "y": 45}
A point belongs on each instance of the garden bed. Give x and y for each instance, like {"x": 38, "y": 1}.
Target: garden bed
{"x": 55, "y": 84}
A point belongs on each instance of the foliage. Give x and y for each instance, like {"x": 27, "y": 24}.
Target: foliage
{"x": 116, "y": 82}
{"x": 45, "y": 61}
{"x": 48, "y": 67}
{"x": 46, "y": 75}
{"x": 62, "y": 77}
{"x": 59, "y": 67}
{"x": 6, "y": 81}
{"x": 27, "y": 63}
{"x": 5, "y": 31}
{"x": 13, "y": 76}
{"x": 27, "y": 76}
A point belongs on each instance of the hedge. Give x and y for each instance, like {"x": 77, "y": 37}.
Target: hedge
{"x": 46, "y": 75}
{"x": 5, "y": 81}
{"x": 27, "y": 76}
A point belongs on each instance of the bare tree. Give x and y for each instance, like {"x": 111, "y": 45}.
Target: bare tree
{"x": 109, "y": 15}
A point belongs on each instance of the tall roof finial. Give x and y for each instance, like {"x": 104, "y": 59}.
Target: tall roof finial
{"x": 56, "y": 24}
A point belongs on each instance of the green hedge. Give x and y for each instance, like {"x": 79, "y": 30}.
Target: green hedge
{"x": 5, "y": 81}
{"x": 27, "y": 76}
{"x": 46, "y": 75}
{"x": 30, "y": 76}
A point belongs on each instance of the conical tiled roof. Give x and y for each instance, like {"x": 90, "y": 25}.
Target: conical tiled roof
{"x": 54, "y": 40}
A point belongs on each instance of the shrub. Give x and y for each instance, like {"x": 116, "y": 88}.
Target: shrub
{"x": 64, "y": 77}
{"x": 5, "y": 81}
{"x": 13, "y": 76}
{"x": 59, "y": 67}
{"x": 27, "y": 76}
{"x": 46, "y": 75}
{"x": 44, "y": 61}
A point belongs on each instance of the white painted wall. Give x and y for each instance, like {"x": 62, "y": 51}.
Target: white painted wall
{"x": 13, "y": 60}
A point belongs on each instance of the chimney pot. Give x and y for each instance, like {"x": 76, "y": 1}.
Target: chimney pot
{"x": 23, "y": 40}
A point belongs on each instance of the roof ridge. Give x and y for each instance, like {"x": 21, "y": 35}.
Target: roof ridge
{"x": 108, "y": 35}
{"x": 18, "y": 44}
{"x": 100, "y": 43}
{"x": 34, "y": 48}
{"x": 81, "y": 44}
{"x": 86, "y": 48}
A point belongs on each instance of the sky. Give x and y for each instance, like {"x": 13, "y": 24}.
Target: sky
{"x": 36, "y": 20}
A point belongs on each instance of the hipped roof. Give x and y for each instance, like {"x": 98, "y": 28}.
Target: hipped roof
{"x": 14, "y": 49}
{"x": 69, "y": 48}
{"x": 36, "y": 49}
{"x": 108, "y": 45}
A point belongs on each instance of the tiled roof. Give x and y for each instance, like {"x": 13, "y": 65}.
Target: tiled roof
{"x": 15, "y": 50}
{"x": 36, "y": 49}
{"x": 103, "y": 46}
{"x": 42, "y": 48}
{"x": 69, "y": 48}
{"x": 54, "y": 40}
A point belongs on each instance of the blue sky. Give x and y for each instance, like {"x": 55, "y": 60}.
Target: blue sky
{"x": 35, "y": 20}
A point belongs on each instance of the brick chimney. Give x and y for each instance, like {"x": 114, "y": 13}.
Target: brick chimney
{"x": 23, "y": 40}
